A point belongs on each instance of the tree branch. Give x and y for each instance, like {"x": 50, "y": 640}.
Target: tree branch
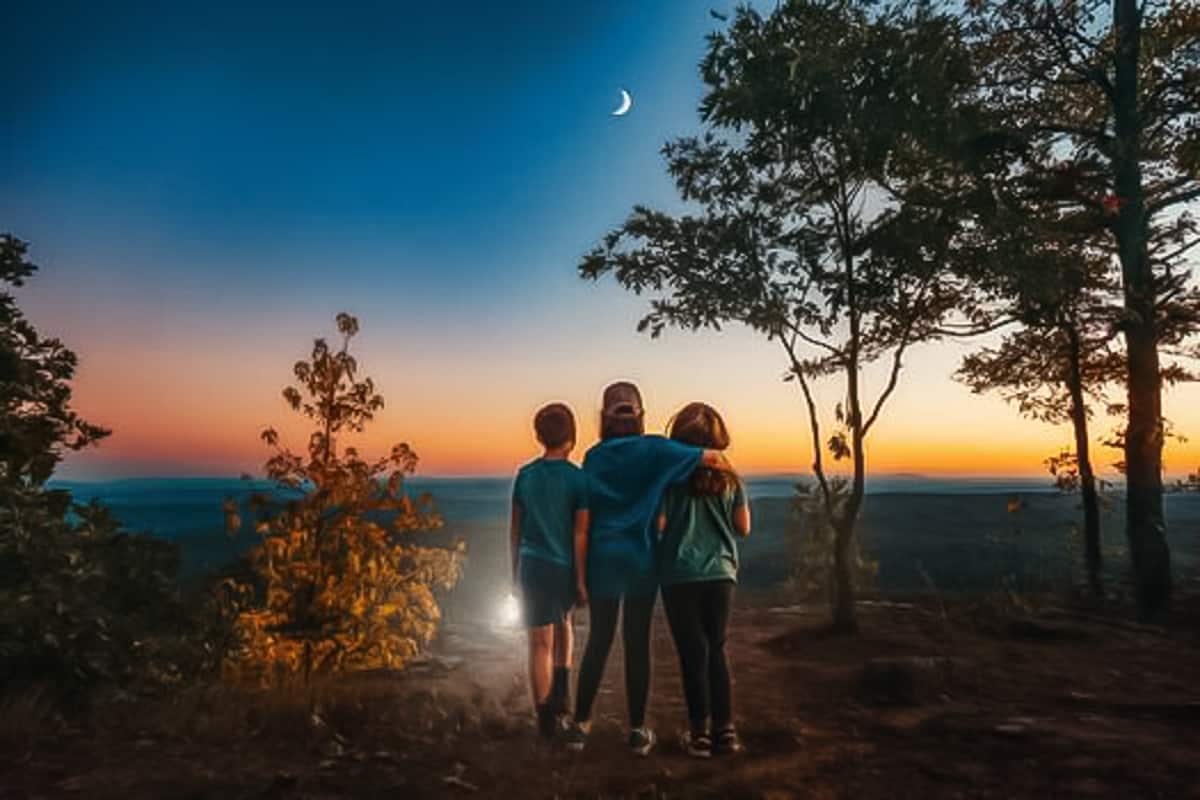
{"x": 814, "y": 425}
{"x": 1170, "y": 200}
{"x": 978, "y": 330}
{"x": 893, "y": 378}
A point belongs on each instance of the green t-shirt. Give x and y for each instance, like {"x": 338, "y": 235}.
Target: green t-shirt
{"x": 699, "y": 542}
{"x": 549, "y": 492}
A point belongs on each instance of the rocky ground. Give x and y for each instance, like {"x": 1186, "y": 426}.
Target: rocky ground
{"x": 928, "y": 701}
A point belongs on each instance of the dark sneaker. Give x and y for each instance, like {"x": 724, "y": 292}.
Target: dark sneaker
{"x": 728, "y": 743}
{"x": 575, "y": 735}
{"x": 697, "y": 745}
{"x": 642, "y": 741}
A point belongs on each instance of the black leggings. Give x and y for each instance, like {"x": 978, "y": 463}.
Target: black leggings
{"x": 635, "y": 635}
{"x": 699, "y": 614}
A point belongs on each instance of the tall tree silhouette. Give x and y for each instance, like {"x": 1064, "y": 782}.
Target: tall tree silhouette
{"x": 810, "y": 224}
{"x": 1065, "y": 357}
{"x": 1111, "y": 92}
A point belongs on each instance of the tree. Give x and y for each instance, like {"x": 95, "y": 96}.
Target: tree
{"x": 342, "y": 582}
{"x": 81, "y": 601}
{"x": 810, "y": 224}
{"x": 37, "y": 422}
{"x": 1112, "y": 91}
{"x": 1059, "y": 288}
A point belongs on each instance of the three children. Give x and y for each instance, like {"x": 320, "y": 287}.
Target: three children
{"x": 589, "y": 537}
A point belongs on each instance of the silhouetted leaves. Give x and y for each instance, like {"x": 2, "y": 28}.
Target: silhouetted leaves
{"x": 81, "y": 602}
{"x": 821, "y": 201}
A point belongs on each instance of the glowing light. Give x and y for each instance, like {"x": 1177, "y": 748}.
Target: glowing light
{"x": 508, "y": 612}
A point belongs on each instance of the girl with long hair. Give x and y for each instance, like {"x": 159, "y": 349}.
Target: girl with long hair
{"x": 700, "y": 523}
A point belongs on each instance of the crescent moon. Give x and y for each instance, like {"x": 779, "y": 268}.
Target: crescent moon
{"x": 626, "y": 104}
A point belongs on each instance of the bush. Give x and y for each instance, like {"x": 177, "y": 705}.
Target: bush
{"x": 81, "y": 601}
{"x": 341, "y": 580}
{"x": 812, "y": 539}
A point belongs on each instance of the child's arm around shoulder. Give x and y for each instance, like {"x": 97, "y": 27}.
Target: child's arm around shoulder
{"x": 715, "y": 459}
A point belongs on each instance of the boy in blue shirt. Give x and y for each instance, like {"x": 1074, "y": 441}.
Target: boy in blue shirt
{"x": 549, "y": 537}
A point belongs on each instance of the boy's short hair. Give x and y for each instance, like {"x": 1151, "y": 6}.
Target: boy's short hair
{"x": 554, "y": 425}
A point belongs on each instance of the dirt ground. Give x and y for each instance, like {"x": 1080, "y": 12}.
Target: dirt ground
{"x": 963, "y": 704}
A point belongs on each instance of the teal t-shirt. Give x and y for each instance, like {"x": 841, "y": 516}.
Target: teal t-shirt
{"x": 549, "y": 492}
{"x": 626, "y": 480}
{"x": 699, "y": 542}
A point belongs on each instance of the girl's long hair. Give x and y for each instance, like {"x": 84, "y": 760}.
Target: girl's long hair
{"x": 700, "y": 425}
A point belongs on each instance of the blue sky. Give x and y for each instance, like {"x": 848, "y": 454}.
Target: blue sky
{"x": 263, "y": 144}
{"x": 206, "y": 185}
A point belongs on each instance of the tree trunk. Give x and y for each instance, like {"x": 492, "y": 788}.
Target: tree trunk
{"x": 845, "y": 617}
{"x": 1087, "y": 478}
{"x": 1144, "y": 527}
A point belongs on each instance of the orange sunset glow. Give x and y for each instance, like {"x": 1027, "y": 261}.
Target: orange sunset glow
{"x": 197, "y": 410}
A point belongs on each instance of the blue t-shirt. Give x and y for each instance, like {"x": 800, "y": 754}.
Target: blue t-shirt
{"x": 626, "y": 480}
{"x": 549, "y": 491}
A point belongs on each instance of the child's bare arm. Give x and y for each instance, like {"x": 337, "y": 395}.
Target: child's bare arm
{"x": 741, "y": 519}
{"x": 583, "y": 519}
{"x": 715, "y": 459}
{"x": 515, "y": 539}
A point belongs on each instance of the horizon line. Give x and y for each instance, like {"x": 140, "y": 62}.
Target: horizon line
{"x": 933, "y": 476}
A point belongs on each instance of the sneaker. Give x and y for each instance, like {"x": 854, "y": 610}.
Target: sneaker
{"x": 728, "y": 743}
{"x": 642, "y": 741}
{"x": 697, "y": 745}
{"x": 575, "y": 734}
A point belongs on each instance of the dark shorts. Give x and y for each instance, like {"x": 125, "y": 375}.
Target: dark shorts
{"x": 547, "y": 592}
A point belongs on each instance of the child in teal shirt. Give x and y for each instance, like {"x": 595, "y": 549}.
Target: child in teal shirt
{"x": 700, "y": 523}
{"x": 549, "y": 525}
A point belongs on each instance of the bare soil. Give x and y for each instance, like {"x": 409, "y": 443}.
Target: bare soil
{"x": 1065, "y": 703}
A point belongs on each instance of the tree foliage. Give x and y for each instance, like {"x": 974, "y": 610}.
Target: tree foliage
{"x": 1105, "y": 97}
{"x": 342, "y": 581}
{"x": 810, "y": 217}
{"x": 82, "y": 602}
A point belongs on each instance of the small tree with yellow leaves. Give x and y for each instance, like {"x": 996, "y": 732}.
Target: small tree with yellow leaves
{"x": 342, "y": 580}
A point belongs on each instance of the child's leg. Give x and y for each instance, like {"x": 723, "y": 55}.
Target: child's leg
{"x": 541, "y": 644}
{"x": 636, "y": 618}
{"x": 601, "y": 630}
{"x": 716, "y": 605}
{"x": 682, "y": 603}
{"x": 564, "y": 641}
{"x": 541, "y": 659}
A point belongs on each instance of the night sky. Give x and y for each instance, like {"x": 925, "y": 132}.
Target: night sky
{"x": 206, "y": 185}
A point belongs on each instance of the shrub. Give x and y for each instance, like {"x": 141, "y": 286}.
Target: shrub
{"x": 812, "y": 543}
{"x": 341, "y": 578}
{"x": 82, "y": 602}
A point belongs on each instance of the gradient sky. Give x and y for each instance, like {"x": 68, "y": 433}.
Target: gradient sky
{"x": 205, "y": 186}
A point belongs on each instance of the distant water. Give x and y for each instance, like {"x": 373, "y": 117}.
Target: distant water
{"x": 180, "y": 508}
{"x": 953, "y": 534}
